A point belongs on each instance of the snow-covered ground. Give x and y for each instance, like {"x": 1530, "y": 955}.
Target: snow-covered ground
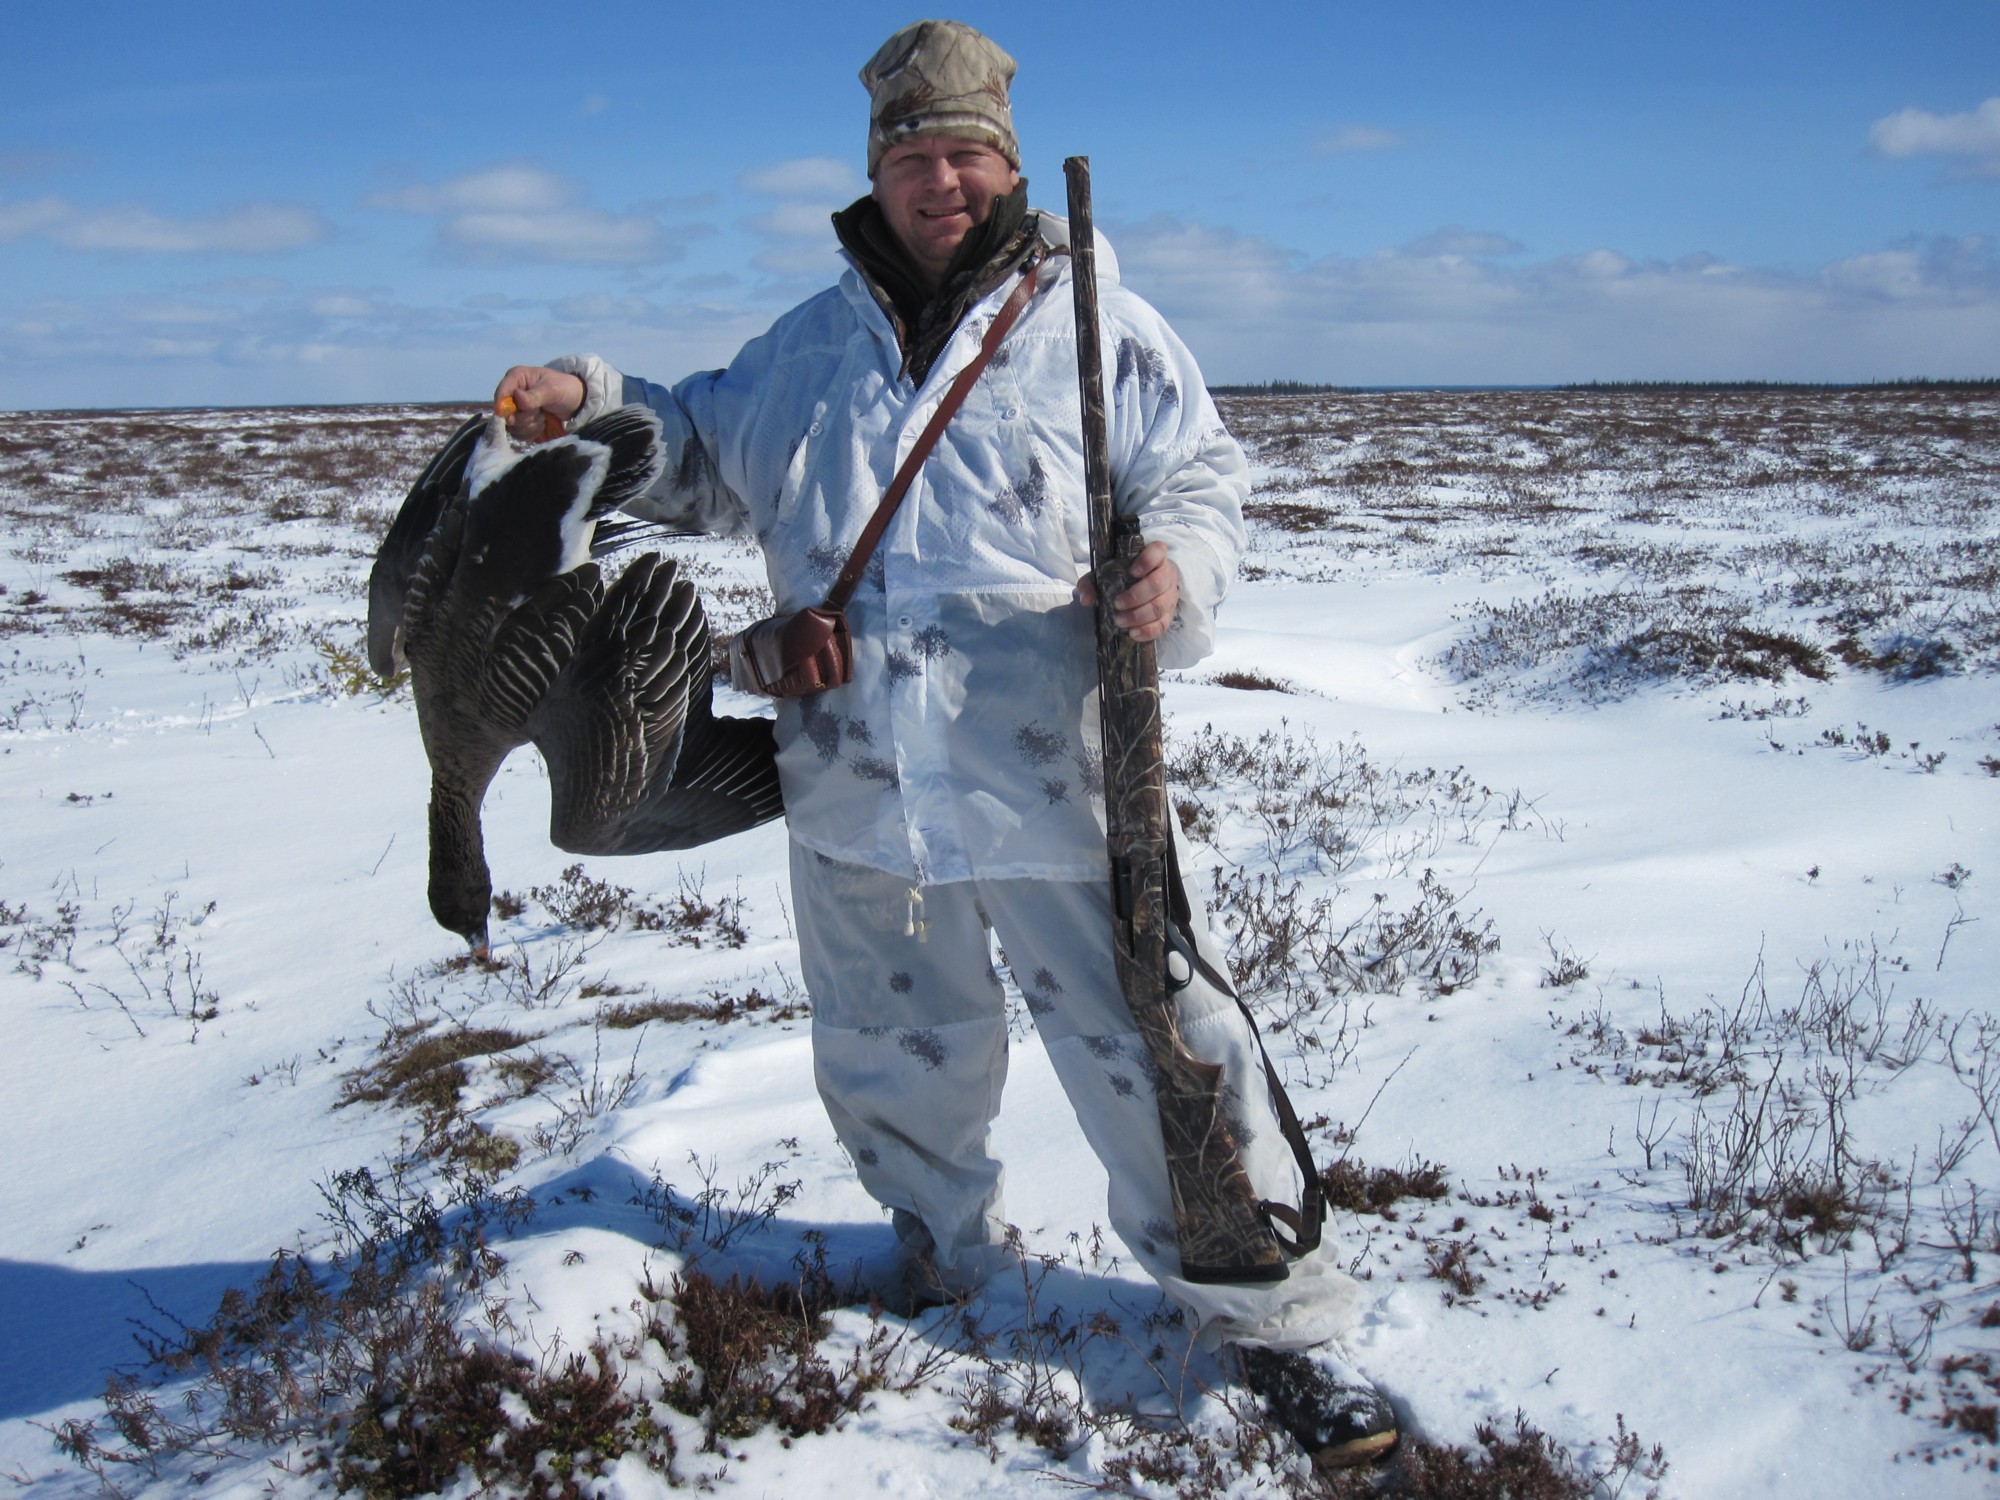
{"x": 1599, "y": 789}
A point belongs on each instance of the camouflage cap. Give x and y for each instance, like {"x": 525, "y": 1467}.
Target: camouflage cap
{"x": 939, "y": 78}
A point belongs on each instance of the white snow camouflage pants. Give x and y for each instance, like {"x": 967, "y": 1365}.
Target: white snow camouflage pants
{"x": 910, "y": 1052}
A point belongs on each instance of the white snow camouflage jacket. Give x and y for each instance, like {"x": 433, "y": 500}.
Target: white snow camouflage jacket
{"x": 967, "y": 744}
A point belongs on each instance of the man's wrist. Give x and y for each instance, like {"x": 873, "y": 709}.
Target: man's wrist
{"x": 601, "y": 386}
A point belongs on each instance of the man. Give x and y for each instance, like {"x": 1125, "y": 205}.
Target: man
{"x": 951, "y": 790}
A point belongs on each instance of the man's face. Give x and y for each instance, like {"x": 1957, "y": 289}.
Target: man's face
{"x": 934, "y": 189}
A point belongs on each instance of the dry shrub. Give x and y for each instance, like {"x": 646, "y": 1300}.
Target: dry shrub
{"x": 688, "y": 917}
{"x": 1971, "y": 1385}
{"x": 1353, "y": 1185}
{"x": 751, "y": 1357}
{"x": 1737, "y": 652}
{"x": 425, "y": 1072}
{"x": 1598, "y": 647}
{"x": 1252, "y": 682}
{"x": 1900, "y": 655}
{"x": 421, "y": 1070}
{"x": 1527, "y": 1464}
{"x": 455, "y": 1418}
{"x": 719, "y": 1009}
{"x": 1452, "y": 1262}
{"x": 1288, "y": 515}
{"x": 361, "y": 1363}
{"x": 1297, "y": 952}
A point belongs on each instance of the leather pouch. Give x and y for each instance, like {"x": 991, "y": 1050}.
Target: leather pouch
{"x": 793, "y": 656}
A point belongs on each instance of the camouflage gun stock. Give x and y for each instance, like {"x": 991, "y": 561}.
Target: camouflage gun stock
{"x": 1224, "y": 1232}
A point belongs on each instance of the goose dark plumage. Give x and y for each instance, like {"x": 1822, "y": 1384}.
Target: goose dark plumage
{"x": 510, "y": 637}
{"x": 443, "y": 480}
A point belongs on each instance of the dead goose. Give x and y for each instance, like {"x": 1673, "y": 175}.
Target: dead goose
{"x": 510, "y": 638}
{"x": 444, "y": 480}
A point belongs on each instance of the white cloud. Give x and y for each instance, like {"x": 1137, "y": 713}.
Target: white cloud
{"x": 796, "y": 221}
{"x": 39, "y": 161}
{"x": 1962, "y": 271}
{"x": 336, "y": 343}
{"x": 814, "y": 261}
{"x": 1350, "y": 139}
{"x": 342, "y": 305}
{"x": 1428, "y": 312}
{"x": 248, "y": 229}
{"x": 1254, "y": 310}
{"x": 245, "y": 286}
{"x": 1974, "y": 135}
{"x": 808, "y": 177}
{"x": 514, "y": 188}
{"x": 579, "y": 235}
{"x": 1454, "y": 239}
{"x": 708, "y": 283}
{"x": 20, "y": 221}
{"x": 801, "y": 250}
{"x": 598, "y": 307}
{"x": 519, "y": 212}
{"x": 1884, "y": 273}
{"x": 1601, "y": 265}
{"x": 185, "y": 314}
{"x": 253, "y": 229}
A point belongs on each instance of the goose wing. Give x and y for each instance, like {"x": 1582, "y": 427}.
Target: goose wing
{"x": 402, "y": 548}
{"x": 630, "y": 433}
{"x": 487, "y": 617}
{"x": 426, "y": 588}
{"x": 726, "y": 781}
{"x": 637, "y": 760}
{"x": 536, "y": 642}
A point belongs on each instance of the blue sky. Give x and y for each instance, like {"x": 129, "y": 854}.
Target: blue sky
{"x": 235, "y": 203}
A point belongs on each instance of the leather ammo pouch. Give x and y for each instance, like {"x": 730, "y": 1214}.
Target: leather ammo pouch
{"x": 808, "y": 651}
{"x": 792, "y": 656}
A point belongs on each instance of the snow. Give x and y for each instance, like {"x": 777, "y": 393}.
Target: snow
{"x": 215, "y": 807}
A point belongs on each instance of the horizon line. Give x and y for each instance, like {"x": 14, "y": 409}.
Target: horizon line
{"x": 1264, "y": 388}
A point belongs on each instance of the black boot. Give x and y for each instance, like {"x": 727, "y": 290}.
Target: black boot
{"x": 1326, "y": 1404}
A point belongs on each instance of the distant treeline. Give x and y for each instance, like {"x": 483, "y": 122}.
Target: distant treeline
{"x": 1281, "y": 388}
{"x": 1913, "y": 383}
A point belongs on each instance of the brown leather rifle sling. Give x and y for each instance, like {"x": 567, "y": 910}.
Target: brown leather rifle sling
{"x": 850, "y": 576}
{"x": 810, "y": 650}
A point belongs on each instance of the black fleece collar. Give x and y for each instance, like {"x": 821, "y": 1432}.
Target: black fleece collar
{"x": 924, "y": 321}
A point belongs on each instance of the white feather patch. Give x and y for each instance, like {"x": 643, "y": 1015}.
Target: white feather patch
{"x": 494, "y": 456}
{"x": 497, "y": 453}
{"x": 576, "y": 531}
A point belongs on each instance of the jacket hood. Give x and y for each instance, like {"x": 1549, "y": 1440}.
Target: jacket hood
{"x": 1055, "y": 231}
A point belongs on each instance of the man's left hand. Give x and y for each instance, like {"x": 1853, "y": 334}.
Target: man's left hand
{"x": 1146, "y": 609}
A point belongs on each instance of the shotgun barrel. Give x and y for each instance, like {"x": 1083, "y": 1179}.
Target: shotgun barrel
{"x": 1223, "y": 1230}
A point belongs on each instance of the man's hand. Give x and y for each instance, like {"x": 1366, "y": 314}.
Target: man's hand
{"x": 537, "y": 390}
{"x": 1146, "y": 609}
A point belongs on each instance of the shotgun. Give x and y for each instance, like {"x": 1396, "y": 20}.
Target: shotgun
{"x": 1224, "y": 1232}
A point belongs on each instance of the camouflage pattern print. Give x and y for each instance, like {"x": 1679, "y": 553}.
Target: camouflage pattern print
{"x": 939, "y": 78}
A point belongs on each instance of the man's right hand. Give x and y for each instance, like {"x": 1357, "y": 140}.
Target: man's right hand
{"x": 536, "y": 389}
